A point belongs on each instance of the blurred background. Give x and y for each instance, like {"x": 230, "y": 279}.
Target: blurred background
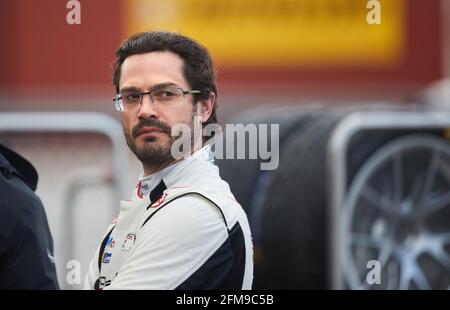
{"x": 304, "y": 64}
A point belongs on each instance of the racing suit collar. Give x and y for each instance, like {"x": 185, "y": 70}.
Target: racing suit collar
{"x": 169, "y": 175}
{"x": 200, "y": 157}
{"x": 148, "y": 183}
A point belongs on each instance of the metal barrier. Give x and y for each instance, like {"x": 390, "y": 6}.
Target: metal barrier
{"x": 75, "y": 122}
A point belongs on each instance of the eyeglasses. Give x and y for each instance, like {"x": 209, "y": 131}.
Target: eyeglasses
{"x": 161, "y": 97}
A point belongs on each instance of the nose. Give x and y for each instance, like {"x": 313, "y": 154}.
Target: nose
{"x": 147, "y": 108}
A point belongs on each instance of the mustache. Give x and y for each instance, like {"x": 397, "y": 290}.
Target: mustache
{"x": 150, "y": 122}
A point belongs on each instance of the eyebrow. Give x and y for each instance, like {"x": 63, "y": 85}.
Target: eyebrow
{"x": 154, "y": 87}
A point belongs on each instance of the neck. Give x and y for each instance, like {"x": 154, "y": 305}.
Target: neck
{"x": 150, "y": 169}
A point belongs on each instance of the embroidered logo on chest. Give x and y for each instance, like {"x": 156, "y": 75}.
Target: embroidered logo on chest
{"x": 106, "y": 258}
{"x": 129, "y": 242}
{"x": 110, "y": 243}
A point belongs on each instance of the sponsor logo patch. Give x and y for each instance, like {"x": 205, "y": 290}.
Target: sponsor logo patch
{"x": 106, "y": 258}
{"x": 129, "y": 242}
{"x": 111, "y": 242}
{"x": 101, "y": 283}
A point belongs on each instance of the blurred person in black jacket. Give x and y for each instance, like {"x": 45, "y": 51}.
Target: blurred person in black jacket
{"x": 26, "y": 245}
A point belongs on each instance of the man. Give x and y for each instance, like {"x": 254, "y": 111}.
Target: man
{"x": 26, "y": 246}
{"x": 182, "y": 229}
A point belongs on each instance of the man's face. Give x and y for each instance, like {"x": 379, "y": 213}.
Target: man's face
{"x": 148, "y": 128}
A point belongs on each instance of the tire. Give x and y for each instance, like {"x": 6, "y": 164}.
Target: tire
{"x": 293, "y": 240}
{"x": 294, "y": 245}
{"x": 243, "y": 174}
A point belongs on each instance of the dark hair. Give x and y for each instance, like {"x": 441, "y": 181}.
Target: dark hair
{"x": 198, "y": 67}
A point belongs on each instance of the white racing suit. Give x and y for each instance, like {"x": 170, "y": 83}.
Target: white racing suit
{"x": 188, "y": 233}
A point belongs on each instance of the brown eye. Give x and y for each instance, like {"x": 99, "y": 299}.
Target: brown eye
{"x": 132, "y": 97}
{"x": 164, "y": 93}
{"x": 167, "y": 94}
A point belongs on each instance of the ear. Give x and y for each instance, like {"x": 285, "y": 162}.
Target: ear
{"x": 205, "y": 107}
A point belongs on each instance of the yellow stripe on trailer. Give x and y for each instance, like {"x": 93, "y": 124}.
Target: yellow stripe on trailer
{"x": 279, "y": 33}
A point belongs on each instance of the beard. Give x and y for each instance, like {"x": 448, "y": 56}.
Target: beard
{"x": 152, "y": 153}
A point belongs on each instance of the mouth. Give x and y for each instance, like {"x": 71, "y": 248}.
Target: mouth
{"x": 149, "y": 131}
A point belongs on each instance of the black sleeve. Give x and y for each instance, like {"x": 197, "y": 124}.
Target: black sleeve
{"x": 26, "y": 245}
